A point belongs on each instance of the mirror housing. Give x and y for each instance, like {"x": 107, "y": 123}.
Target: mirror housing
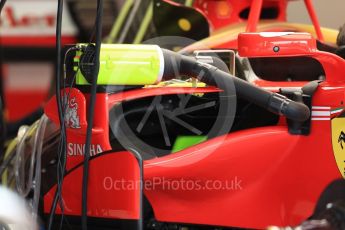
{"x": 290, "y": 44}
{"x": 269, "y": 44}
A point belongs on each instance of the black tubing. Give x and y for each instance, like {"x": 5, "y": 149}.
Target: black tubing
{"x": 211, "y": 75}
{"x": 91, "y": 112}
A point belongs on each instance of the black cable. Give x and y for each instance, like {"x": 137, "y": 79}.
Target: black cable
{"x": 91, "y": 113}
{"x": 62, "y": 158}
{"x": 62, "y": 165}
{"x": 62, "y": 145}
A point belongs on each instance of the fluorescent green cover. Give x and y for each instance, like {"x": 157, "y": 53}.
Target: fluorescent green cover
{"x": 128, "y": 65}
{"x": 183, "y": 142}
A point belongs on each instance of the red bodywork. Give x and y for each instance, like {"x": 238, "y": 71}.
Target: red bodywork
{"x": 226, "y": 28}
{"x": 227, "y": 12}
{"x": 276, "y": 177}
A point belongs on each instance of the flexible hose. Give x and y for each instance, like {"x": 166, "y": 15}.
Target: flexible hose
{"x": 19, "y": 165}
{"x": 37, "y": 180}
{"x": 274, "y": 102}
{"x": 23, "y": 187}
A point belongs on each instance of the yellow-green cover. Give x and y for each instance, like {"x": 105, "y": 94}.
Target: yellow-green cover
{"x": 124, "y": 64}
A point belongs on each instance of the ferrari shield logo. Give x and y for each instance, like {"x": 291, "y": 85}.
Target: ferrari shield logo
{"x": 338, "y": 142}
{"x": 71, "y": 114}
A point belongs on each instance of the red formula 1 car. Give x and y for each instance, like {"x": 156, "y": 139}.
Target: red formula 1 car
{"x": 227, "y": 154}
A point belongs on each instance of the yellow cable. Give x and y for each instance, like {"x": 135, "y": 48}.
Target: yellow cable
{"x": 9, "y": 149}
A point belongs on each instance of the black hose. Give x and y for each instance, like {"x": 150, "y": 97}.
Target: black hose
{"x": 91, "y": 111}
{"x": 62, "y": 145}
{"x": 211, "y": 75}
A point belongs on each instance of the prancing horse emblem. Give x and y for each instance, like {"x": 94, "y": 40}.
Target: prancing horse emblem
{"x": 341, "y": 139}
{"x": 71, "y": 115}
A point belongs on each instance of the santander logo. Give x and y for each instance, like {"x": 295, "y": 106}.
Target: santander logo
{"x": 10, "y": 19}
{"x": 34, "y": 18}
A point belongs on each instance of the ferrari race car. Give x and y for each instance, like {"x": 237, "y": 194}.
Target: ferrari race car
{"x": 213, "y": 139}
{"x": 214, "y": 149}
